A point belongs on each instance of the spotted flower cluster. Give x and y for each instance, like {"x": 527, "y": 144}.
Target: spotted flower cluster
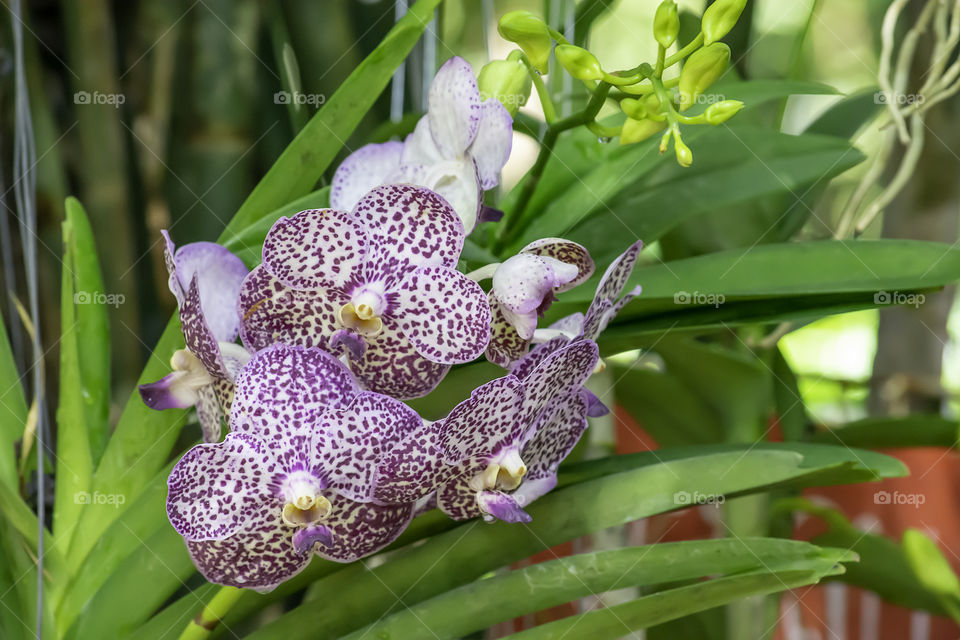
{"x": 353, "y": 310}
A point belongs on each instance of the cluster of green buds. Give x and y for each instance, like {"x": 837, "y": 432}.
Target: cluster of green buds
{"x": 650, "y": 103}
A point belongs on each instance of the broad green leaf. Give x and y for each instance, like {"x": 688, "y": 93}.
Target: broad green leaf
{"x": 359, "y": 595}
{"x": 621, "y": 620}
{"x": 907, "y": 431}
{"x": 13, "y": 411}
{"x": 847, "y": 116}
{"x": 786, "y": 280}
{"x": 84, "y": 403}
{"x": 483, "y": 603}
{"x": 933, "y": 570}
{"x": 302, "y": 163}
{"x": 791, "y": 412}
{"x": 753, "y": 92}
{"x": 637, "y": 193}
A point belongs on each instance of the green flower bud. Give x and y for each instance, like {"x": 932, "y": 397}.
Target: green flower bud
{"x": 722, "y": 111}
{"x": 507, "y": 81}
{"x": 579, "y": 63}
{"x": 530, "y": 33}
{"x": 634, "y": 108}
{"x": 701, "y": 70}
{"x": 684, "y": 155}
{"x": 638, "y": 130}
{"x": 719, "y": 18}
{"x": 666, "y": 23}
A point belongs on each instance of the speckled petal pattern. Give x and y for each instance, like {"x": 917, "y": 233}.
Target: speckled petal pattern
{"x": 617, "y": 274}
{"x": 444, "y": 314}
{"x": 491, "y": 146}
{"x": 361, "y": 435}
{"x": 360, "y": 529}
{"x": 561, "y": 372}
{"x": 553, "y": 442}
{"x": 394, "y": 367}
{"x": 408, "y": 227}
{"x": 566, "y": 252}
{"x": 275, "y": 313}
{"x": 315, "y": 249}
{"x": 284, "y": 385}
{"x": 215, "y": 490}
{"x": 480, "y": 426}
{"x": 364, "y": 169}
{"x": 412, "y": 468}
{"x": 260, "y": 557}
{"x": 197, "y": 334}
{"x": 454, "y": 107}
{"x": 209, "y": 413}
{"x": 506, "y": 346}
{"x": 523, "y": 281}
{"x": 457, "y": 499}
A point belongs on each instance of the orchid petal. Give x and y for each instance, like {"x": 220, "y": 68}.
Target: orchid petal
{"x": 393, "y": 366}
{"x": 305, "y": 539}
{"x": 457, "y": 499}
{"x": 454, "y": 107}
{"x": 617, "y": 274}
{"x": 360, "y": 529}
{"x": 458, "y": 183}
{"x": 348, "y": 343}
{"x": 506, "y": 346}
{"x": 554, "y": 440}
{"x": 595, "y": 406}
{"x": 216, "y": 489}
{"x": 483, "y": 425}
{"x": 567, "y": 252}
{"x": 561, "y": 372}
{"x": 174, "y": 391}
{"x": 275, "y": 313}
{"x": 407, "y": 227}
{"x": 364, "y": 169}
{"x": 419, "y": 147}
{"x": 210, "y": 413}
{"x": 502, "y": 506}
{"x": 199, "y": 338}
{"x": 444, "y": 314}
{"x": 491, "y": 146}
{"x": 260, "y": 557}
{"x": 524, "y": 281}
{"x": 412, "y": 468}
{"x": 526, "y": 365}
{"x": 315, "y": 249}
{"x": 285, "y": 385}
{"x": 362, "y": 434}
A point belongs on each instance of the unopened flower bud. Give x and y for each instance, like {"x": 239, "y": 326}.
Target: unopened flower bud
{"x": 579, "y": 63}
{"x": 666, "y": 23}
{"x": 719, "y": 18}
{"x": 638, "y": 130}
{"x": 634, "y": 108}
{"x": 530, "y": 33}
{"x": 684, "y": 155}
{"x": 507, "y": 81}
{"x": 701, "y": 70}
{"x": 722, "y": 111}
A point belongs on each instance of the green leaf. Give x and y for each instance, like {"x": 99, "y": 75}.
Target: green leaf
{"x": 13, "y": 411}
{"x": 932, "y": 569}
{"x": 620, "y": 620}
{"x": 359, "y": 595}
{"x": 638, "y": 193}
{"x": 881, "y": 433}
{"x": 84, "y": 405}
{"x": 302, "y": 163}
{"x": 483, "y": 603}
{"x": 847, "y": 116}
{"x": 775, "y": 281}
{"x": 754, "y": 92}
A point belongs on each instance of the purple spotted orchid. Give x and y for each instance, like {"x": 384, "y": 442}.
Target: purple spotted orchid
{"x": 294, "y": 477}
{"x": 524, "y": 287}
{"x": 457, "y": 149}
{"x": 205, "y": 278}
{"x": 499, "y": 450}
{"x": 378, "y": 286}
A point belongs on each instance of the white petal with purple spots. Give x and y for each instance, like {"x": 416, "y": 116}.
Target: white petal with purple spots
{"x": 454, "y": 107}
{"x": 364, "y": 169}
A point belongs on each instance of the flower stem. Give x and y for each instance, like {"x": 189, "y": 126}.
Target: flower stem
{"x": 554, "y": 129}
{"x": 693, "y": 45}
{"x": 211, "y": 615}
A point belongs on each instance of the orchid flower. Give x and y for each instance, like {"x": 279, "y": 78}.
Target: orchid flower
{"x": 498, "y": 450}
{"x": 457, "y": 149}
{"x": 378, "y": 285}
{"x": 524, "y": 287}
{"x": 205, "y": 278}
{"x": 294, "y": 477}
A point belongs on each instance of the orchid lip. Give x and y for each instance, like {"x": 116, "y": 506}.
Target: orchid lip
{"x": 197, "y": 375}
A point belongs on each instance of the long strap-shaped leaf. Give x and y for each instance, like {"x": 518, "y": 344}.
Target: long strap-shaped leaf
{"x": 143, "y": 438}
{"x": 483, "y": 603}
